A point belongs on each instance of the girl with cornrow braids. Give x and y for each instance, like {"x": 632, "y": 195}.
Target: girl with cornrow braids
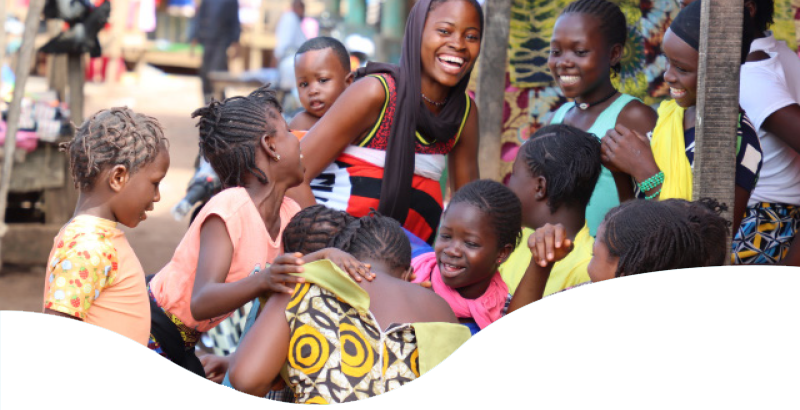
{"x": 117, "y": 159}
{"x": 222, "y": 261}
{"x": 585, "y": 51}
{"x": 480, "y": 228}
{"x": 358, "y": 321}
{"x": 636, "y": 237}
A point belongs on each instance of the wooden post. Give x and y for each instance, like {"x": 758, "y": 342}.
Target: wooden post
{"x": 718, "y": 102}
{"x": 76, "y": 80}
{"x": 491, "y": 85}
{"x": 12, "y": 125}
{"x": 56, "y": 63}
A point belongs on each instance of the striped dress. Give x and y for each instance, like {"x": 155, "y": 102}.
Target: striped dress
{"x": 352, "y": 183}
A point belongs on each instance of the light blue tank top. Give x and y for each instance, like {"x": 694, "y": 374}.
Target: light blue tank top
{"x": 605, "y": 192}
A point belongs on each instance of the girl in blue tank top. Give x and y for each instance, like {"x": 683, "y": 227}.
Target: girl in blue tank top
{"x": 585, "y": 49}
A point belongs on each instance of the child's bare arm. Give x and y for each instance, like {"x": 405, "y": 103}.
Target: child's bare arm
{"x": 549, "y": 244}
{"x": 211, "y": 296}
{"x": 263, "y": 350}
{"x": 462, "y": 161}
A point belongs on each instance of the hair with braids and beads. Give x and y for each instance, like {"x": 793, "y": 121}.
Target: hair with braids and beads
{"x": 650, "y": 236}
{"x": 314, "y": 228}
{"x": 568, "y": 159}
{"x": 704, "y": 214}
{"x": 115, "y": 136}
{"x": 230, "y": 132}
{"x": 612, "y": 21}
{"x": 376, "y": 237}
{"x": 497, "y": 202}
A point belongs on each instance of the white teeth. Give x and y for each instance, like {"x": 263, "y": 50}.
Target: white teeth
{"x": 676, "y": 92}
{"x": 569, "y": 79}
{"x": 452, "y": 59}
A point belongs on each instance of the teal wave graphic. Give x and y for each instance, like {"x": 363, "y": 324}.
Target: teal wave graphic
{"x": 698, "y": 338}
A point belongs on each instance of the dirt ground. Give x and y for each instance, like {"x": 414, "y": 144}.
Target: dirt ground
{"x": 169, "y": 98}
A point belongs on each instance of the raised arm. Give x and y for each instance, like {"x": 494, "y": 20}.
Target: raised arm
{"x": 349, "y": 119}
{"x": 263, "y": 350}
{"x": 462, "y": 161}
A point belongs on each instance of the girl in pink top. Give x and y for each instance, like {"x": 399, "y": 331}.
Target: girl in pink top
{"x": 223, "y": 260}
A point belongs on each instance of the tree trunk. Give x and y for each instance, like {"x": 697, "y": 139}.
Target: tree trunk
{"x": 12, "y": 124}
{"x": 491, "y": 85}
{"x": 718, "y": 102}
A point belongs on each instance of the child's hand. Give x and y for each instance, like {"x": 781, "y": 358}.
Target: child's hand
{"x": 279, "y": 273}
{"x": 348, "y": 263}
{"x": 624, "y": 150}
{"x": 215, "y": 367}
{"x": 425, "y": 284}
{"x": 549, "y": 244}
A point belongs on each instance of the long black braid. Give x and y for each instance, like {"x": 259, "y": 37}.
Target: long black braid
{"x": 499, "y": 203}
{"x": 569, "y": 160}
{"x": 704, "y": 214}
{"x": 612, "y": 21}
{"x": 314, "y": 228}
{"x": 230, "y": 132}
{"x": 650, "y": 236}
{"x": 376, "y": 237}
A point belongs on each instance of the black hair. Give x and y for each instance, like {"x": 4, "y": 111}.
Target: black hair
{"x": 230, "y": 132}
{"x": 499, "y": 203}
{"x": 313, "y": 229}
{"x": 649, "y": 236}
{"x": 322, "y": 43}
{"x": 376, "y": 237}
{"x": 569, "y": 160}
{"x": 115, "y": 136}
{"x": 765, "y": 10}
{"x": 704, "y": 214}
{"x": 612, "y": 21}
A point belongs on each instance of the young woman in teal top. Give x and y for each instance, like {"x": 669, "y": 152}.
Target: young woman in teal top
{"x": 587, "y": 43}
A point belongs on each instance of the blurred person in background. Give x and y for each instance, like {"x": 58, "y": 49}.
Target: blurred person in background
{"x": 216, "y": 28}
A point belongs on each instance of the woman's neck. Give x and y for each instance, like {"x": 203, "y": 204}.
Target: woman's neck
{"x": 268, "y": 199}
{"x": 93, "y": 205}
{"x": 434, "y": 92}
{"x": 477, "y": 290}
{"x": 592, "y": 97}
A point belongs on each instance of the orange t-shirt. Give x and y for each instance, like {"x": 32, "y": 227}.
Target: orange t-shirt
{"x": 94, "y": 275}
{"x": 253, "y": 249}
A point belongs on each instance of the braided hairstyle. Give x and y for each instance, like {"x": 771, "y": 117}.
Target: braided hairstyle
{"x": 612, "y": 21}
{"x": 230, "y": 132}
{"x": 704, "y": 214}
{"x": 322, "y": 43}
{"x": 115, "y": 136}
{"x": 568, "y": 159}
{"x": 314, "y": 228}
{"x": 376, "y": 237}
{"x": 649, "y": 236}
{"x": 499, "y": 204}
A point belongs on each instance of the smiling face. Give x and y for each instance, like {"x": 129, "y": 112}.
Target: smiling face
{"x": 681, "y": 74}
{"x": 320, "y": 80}
{"x": 603, "y": 265}
{"x": 451, "y": 41}
{"x": 466, "y": 250}
{"x": 580, "y": 58}
{"x": 136, "y": 193}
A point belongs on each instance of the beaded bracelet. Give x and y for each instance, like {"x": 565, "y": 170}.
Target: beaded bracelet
{"x": 655, "y": 194}
{"x": 652, "y": 182}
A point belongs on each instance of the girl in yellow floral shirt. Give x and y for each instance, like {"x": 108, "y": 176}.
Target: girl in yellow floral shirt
{"x": 117, "y": 159}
